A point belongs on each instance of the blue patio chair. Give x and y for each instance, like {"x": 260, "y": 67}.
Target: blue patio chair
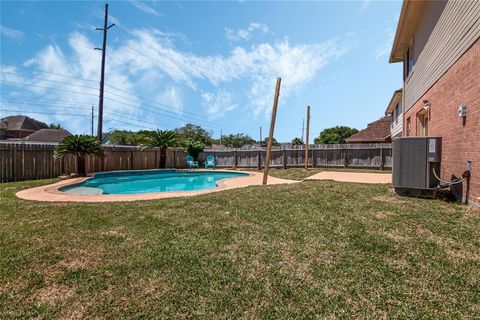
{"x": 191, "y": 163}
{"x": 210, "y": 162}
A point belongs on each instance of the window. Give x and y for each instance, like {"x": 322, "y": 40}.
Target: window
{"x": 409, "y": 127}
{"x": 422, "y": 123}
{"x": 408, "y": 65}
{"x": 397, "y": 113}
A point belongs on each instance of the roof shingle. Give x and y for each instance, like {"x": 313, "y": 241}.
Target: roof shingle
{"x": 377, "y": 131}
{"x": 48, "y": 135}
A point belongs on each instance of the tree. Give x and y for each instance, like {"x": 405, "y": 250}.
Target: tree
{"x": 334, "y": 135}
{"x": 237, "y": 140}
{"x": 160, "y": 139}
{"x": 297, "y": 141}
{"x": 55, "y": 126}
{"x": 194, "y": 148}
{"x": 124, "y": 137}
{"x": 193, "y": 132}
{"x": 264, "y": 143}
{"x": 79, "y": 146}
{"x": 118, "y": 137}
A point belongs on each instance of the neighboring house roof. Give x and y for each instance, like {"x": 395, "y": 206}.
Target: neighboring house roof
{"x": 410, "y": 16}
{"x": 3, "y": 125}
{"x": 48, "y": 135}
{"x": 396, "y": 98}
{"x": 23, "y": 123}
{"x": 377, "y": 131}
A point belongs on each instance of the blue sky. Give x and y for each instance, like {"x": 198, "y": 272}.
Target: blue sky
{"x": 209, "y": 63}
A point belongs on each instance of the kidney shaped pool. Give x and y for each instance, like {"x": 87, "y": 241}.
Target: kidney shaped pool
{"x": 134, "y": 182}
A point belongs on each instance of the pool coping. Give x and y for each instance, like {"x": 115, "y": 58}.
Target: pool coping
{"x": 51, "y": 192}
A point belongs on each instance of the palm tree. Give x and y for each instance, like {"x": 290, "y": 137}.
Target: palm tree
{"x": 79, "y": 146}
{"x": 297, "y": 141}
{"x": 160, "y": 139}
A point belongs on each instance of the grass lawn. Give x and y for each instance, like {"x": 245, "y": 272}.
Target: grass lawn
{"x": 300, "y": 173}
{"x": 313, "y": 249}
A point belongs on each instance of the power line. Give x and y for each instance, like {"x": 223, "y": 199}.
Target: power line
{"x": 193, "y": 116}
{"x": 48, "y": 80}
{"x": 55, "y": 89}
{"x": 178, "y": 118}
{"x": 133, "y": 124}
{"x": 51, "y": 113}
{"x": 164, "y": 115}
{"x": 42, "y": 104}
{"x": 49, "y": 72}
{"x": 189, "y": 118}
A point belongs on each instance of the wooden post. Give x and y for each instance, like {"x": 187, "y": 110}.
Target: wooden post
{"x": 284, "y": 159}
{"x": 313, "y": 158}
{"x": 382, "y": 164}
{"x": 272, "y": 128}
{"x": 306, "y": 138}
{"x": 259, "y": 159}
{"x": 345, "y": 159}
{"x": 131, "y": 159}
{"x": 235, "y": 161}
{"x": 14, "y": 160}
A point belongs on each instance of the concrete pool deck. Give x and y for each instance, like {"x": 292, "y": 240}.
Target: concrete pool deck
{"x": 359, "y": 177}
{"x": 51, "y": 192}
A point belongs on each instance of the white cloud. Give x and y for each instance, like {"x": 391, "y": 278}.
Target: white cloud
{"x": 149, "y": 61}
{"x": 245, "y": 34}
{"x": 142, "y": 6}
{"x": 11, "y": 33}
{"x": 173, "y": 98}
{"x": 257, "y": 66}
{"x": 217, "y": 104}
{"x": 73, "y": 93}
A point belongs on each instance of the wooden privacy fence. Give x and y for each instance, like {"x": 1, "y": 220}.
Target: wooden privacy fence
{"x": 22, "y": 161}
{"x": 30, "y": 161}
{"x": 377, "y": 156}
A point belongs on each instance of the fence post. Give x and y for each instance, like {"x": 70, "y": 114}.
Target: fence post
{"x": 175, "y": 158}
{"x": 259, "y": 159}
{"x": 14, "y": 162}
{"x": 345, "y": 159}
{"x": 235, "y": 162}
{"x": 382, "y": 162}
{"x": 314, "y": 158}
{"x": 284, "y": 159}
{"x": 131, "y": 159}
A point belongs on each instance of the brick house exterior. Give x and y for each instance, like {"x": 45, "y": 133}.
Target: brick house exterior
{"x": 442, "y": 74}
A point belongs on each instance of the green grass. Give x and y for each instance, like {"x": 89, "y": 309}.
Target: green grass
{"x": 313, "y": 249}
{"x": 300, "y": 173}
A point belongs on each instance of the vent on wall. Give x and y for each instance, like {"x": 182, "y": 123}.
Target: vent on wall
{"x": 414, "y": 159}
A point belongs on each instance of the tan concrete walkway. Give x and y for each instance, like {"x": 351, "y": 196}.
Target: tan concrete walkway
{"x": 51, "y": 192}
{"x": 360, "y": 177}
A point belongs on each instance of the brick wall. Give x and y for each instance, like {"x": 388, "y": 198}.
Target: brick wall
{"x": 460, "y": 138}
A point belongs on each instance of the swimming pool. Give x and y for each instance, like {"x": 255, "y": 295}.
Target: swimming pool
{"x": 148, "y": 181}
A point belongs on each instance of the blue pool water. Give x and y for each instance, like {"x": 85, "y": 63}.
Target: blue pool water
{"x": 133, "y": 182}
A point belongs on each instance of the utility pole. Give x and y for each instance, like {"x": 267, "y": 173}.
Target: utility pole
{"x": 306, "y": 138}
{"x": 102, "y": 74}
{"x": 260, "y": 135}
{"x": 221, "y": 137}
{"x": 92, "y": 120}
{"x": 272, "y": 128}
